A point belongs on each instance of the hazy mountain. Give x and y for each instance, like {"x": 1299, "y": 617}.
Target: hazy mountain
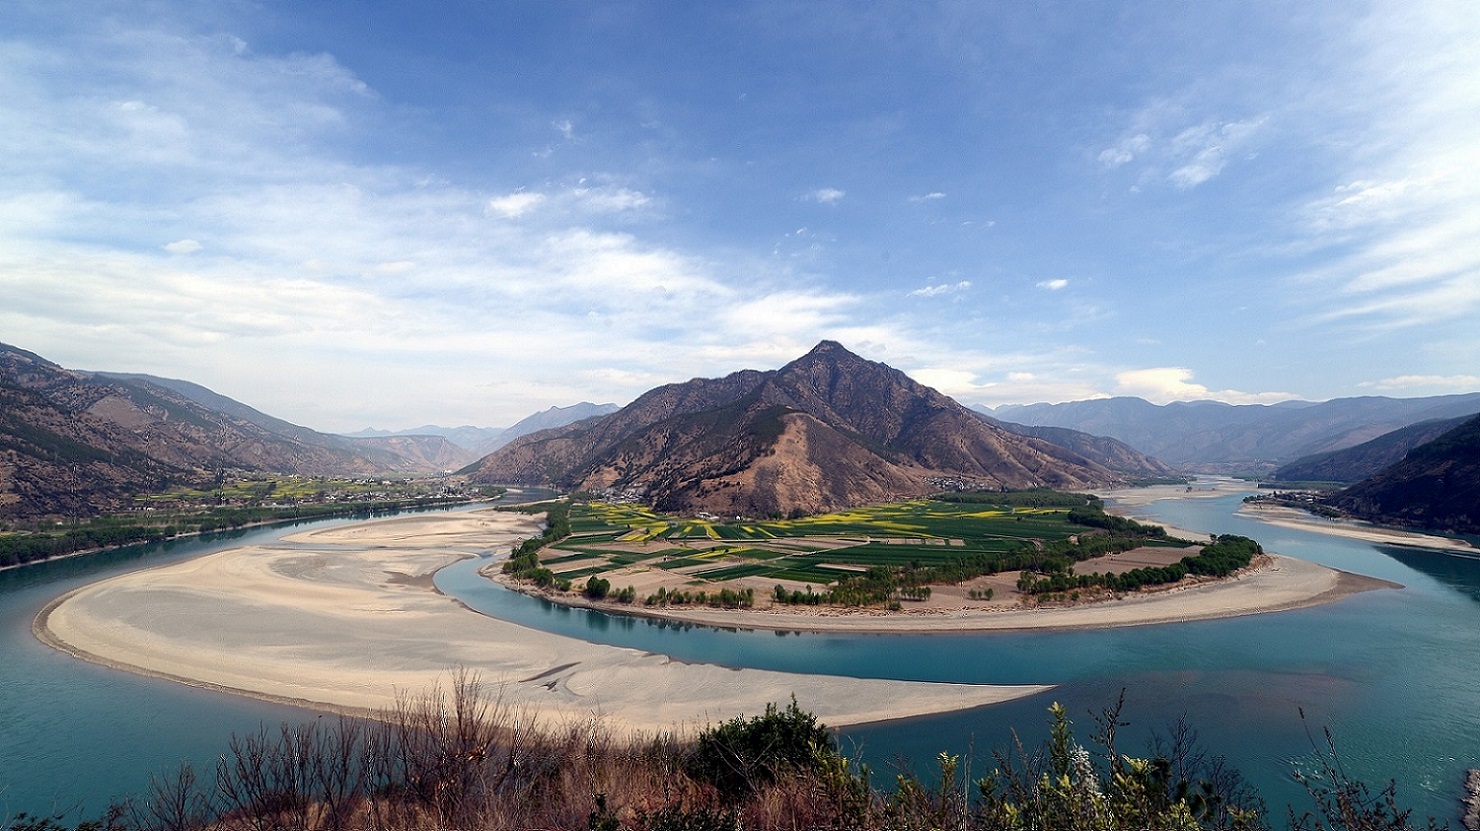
{"x": 76, "y": 442}
{"x": 1212, "y": 435}
{"x": 477, "y": 441}
{"x": 1436, "y": 486}
{"x": 419, "y": 456}
{"x": 1111, "y": 453}
{"x": 480, "y": 441}
{"x": 551, "y": 418}
{"x": 428, "y": 453}
{"x": 829, "y": 430}
{"x": 1354, "y": 464}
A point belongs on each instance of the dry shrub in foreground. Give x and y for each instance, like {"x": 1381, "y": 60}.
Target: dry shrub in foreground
{"x": 457, "y": 759}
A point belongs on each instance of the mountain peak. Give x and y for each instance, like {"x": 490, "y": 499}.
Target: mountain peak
{"x": 828, "y": 430}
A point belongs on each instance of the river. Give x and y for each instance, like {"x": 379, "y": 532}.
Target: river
{"x": 1390, "y": 673}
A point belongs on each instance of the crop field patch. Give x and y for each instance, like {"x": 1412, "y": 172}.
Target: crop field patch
{"x": 926, "y": 533}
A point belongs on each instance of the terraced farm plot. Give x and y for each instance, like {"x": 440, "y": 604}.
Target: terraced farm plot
{"x": 814, "y": 550}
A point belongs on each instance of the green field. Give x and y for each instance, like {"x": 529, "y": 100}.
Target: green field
{"x": 921, "y": 533}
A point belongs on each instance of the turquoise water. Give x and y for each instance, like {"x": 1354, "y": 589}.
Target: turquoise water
{"x": 1392, "y": 673}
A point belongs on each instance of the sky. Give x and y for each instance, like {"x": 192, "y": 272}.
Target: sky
{"x": 357, "y": 213}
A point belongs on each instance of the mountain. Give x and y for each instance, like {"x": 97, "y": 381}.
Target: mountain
{"x": 1354, "y": 464}
{"x": 827, "y": 431}
{"x": 1103, "y": 450}
{"x": 407, "y": 454}
{"x": 424, "y": 453}
{"x": 76, "y": 443}
{"x": 1435, "y": 487}
{"x": 477, "y": 441}
{"x": 1216, "y": 437}
{"x": 480, "y": 441}
{"x": 551, "y": 418}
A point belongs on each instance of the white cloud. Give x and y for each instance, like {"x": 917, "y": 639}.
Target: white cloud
{"x": 610, "y": 200}
{"x": 827, "y": 196}
{"x": 1161, "y": 385}
{"x": 184, "y": 246}
{"x": 1126, "y": 150}
{"x": 943, "y": 288}
{"x": 933, "y": 196}
{"x": 1053, "y": 285}
{"x": 566, "y": 129}
{"x": 1398, "y": 228}
{"x": 517, "y": 204}
{"x": 1462, "y": 383}
{"x": 1167, "y": 147}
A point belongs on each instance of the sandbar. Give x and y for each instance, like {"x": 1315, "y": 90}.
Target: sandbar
{"x": 1275, "y": 584}
{"x": 1287, "y": 517}
{"x": 346, "y": 619}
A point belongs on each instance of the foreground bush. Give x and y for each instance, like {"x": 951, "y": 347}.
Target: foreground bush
{"x": 462, "y": 761}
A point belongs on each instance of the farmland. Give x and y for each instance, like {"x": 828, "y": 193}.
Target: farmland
{"x": 949, "y": 539}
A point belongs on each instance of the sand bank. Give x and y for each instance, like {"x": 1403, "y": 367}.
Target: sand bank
{"x": 1276, "y": 584}
{"x": 346, "y": 618}
{"x": 1286, "y": 517}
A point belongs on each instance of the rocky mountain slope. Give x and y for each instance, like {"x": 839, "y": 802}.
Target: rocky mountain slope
{"x": 1436, "y": 486}
{"x": 1216, "y": 437}
{"x": 76, "y": 443}
{"x": 827, "y": 431}
{"x": 1353, "y": 464}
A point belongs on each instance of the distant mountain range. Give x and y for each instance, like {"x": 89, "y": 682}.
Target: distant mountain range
{"x": 480, "y": 441}
{"x": 1436, "y": 486}
{"x": 829, "y": 430}
{"x": 1210, "y": 436}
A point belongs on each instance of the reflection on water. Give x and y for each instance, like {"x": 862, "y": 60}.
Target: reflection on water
{"x": 1458, "y": 571}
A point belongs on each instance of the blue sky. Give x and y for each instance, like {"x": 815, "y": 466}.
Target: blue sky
{"x": 366, "y": 213}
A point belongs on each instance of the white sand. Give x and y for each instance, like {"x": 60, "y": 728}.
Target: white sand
{"x": 346, "y": 618}
{"x": 1285, "y": 517}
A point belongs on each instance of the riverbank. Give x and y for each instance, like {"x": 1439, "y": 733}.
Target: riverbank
{"x": 350, "y": 512}
{"x": 1287, "y": 517}
{"x": 346, "y": 618}
{"x": 1276, "y": 584}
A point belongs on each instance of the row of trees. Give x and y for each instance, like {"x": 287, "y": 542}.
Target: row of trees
{"x": 725, "y": 598}
{"x": 1221, "y": 557}
{"x": 111, "y": 532}
{"x": 524, "y": 561}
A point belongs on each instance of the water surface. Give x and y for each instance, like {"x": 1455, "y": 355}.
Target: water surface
{"x": 1392, "y": 673}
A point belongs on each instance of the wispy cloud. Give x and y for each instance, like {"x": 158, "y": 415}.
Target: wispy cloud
{"x": 515, "y": 205}
{"x": 359, "y": 277}
{"x": 942, "y": 288}
{"x": 1125, "y": 151}
{"x": 1399, "y": 227}
{"x": 1163, "y": 146}
{"x": 1408, "y": 383}
{"x": 827, "y": 196}
{"x": 1056, "y": 284}
{"x": 183, "y": 246}
{"x": 933, "y": 196}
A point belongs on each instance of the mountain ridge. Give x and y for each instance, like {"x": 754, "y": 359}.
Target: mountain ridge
{"x": 1435, "y": 487}
{"x": 76, "y": 443}
{"x": 827, "y": 430}
{"x": 1213, "y": 436}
